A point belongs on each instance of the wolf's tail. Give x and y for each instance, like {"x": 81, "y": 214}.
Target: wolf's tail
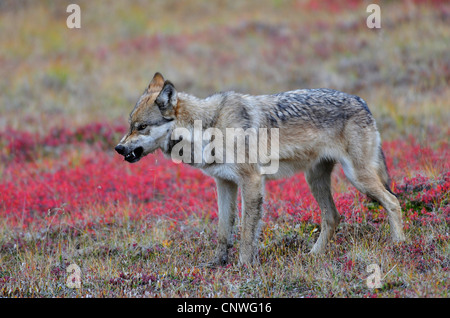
{"x": 383, "y": 172}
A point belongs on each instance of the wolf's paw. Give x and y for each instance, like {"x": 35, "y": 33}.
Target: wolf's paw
{"x": 246, "y": 260}
{"x": 399, "y": 237}
{"x": 317, "y": 249}
{"x": 218, "y": 261}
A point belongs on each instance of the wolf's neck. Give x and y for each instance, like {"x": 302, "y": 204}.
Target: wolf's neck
{"x": 191, "y": 108}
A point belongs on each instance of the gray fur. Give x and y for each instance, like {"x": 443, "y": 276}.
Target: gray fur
{"x": 318, "y": 128}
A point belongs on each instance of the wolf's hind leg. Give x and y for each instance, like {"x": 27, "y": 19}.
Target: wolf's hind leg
{"x": 319, "y": 181}
{"x": 367, "y": 179}
{"x": 368, "y": 182}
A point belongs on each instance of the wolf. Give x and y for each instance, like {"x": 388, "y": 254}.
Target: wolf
{"x": 317, "y": 129}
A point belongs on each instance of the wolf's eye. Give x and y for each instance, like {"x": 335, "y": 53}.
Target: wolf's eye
{"x": 142, "y": 126}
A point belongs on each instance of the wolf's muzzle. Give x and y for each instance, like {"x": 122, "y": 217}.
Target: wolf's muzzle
{"x": 131, "y": 156}
{"x": 120, "y": 149}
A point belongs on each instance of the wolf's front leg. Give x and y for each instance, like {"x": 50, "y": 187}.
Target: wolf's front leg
{"x": 227, "y": 202}
{"x": 252, "y": 201}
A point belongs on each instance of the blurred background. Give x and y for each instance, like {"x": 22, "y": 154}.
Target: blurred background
{"x": 51, "y": 75}
{"x": 142, "y": 229}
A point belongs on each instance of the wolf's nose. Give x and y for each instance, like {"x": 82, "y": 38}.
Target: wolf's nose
{"x": 120, "y": 149}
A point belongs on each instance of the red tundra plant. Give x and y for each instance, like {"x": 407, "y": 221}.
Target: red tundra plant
{"x": 77, "y": 174}
{"x": 24, "y": 146}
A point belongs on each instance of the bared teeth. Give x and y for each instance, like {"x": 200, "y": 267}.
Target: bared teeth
{"x": 130, "y": 155}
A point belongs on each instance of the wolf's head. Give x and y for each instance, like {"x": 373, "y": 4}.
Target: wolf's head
{"x": 151, "y": 120}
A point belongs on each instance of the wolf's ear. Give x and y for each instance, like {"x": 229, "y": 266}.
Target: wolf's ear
{"x": 167, "y": 99}
{"x": 156, "y": 84}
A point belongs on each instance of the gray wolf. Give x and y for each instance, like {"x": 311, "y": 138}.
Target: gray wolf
{"x": 318, "y": 128}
